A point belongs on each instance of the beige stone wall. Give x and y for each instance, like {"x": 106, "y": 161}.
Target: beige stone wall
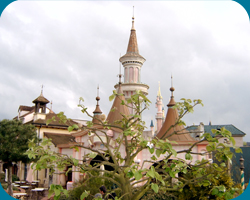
{"x": 238, "y": 141}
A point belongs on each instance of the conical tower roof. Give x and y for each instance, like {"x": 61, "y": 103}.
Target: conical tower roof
{"x": 132, "y": 49}
{"x": 97, "y": 113}
{"x": 171, "y": 118}
{"x": 118, "y": 108}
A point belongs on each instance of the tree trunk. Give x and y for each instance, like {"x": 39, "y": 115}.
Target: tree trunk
{"x": 10, "y": 190}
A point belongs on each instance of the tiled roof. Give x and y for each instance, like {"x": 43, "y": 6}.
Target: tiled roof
{"x": 207, "y": 128}
{"x": 229, "y": 127}
{"x": 58, "y": 138}
{"x": 26, "y": 108}
{"x": 56, "y": 122}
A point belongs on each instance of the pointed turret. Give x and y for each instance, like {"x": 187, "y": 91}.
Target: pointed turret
{"x": 117, "y": 109}
{"x": 152, "y": 125}
{"x": 132, "y": 62}
{"x": 159, "y": 114}
{"x": 171, "y": 119}
{"x": 132, "y": 49}
{"x": 97, "y": 112}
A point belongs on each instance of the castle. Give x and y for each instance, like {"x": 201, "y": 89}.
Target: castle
{"x": 132, "y": 63}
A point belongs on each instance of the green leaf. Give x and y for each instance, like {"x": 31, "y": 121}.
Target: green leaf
{"x": 75, "y": 161}
{"x": 172, "y": 174}
{"x": 215, "y": 191}
{"x": 238, "y": 150}
{"x": 57, "y": 192}
{"x": 206, "y": 183}
{"x": 138, "y": 175}
{"x": 84, "y": 194}
{"x": 155, "y": 187}
{"x": 66, "y": 193}
{"x": 188, "y": 156}
{"x": 151, "y": 150}
{"x": 70, "y": 128}
{"x": 111, "y": 97}
{"x": 92, "y": 155}
{"x": 153, "y": 158}
{"x": 51, "y": 192}
{"x": 158, "y": 152}
{"x": 151, "y": 172}
{"x": 130, "y": 174}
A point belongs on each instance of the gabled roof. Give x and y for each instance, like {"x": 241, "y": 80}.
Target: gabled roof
{"x": 26, "y": 108}
{"x": 57, "y": 122}
{"x": 171, "y": 119}
{"x": 118, "y": 108}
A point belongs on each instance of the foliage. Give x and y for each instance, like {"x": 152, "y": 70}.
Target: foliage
{"x": 5, "y": 187}
{"x": 221, "y": 185}
{"x": 92, "y": 185}
{"x": 126, "y": 173}
{"x": 14, "y": 138}
{"x": 2, "y": 178}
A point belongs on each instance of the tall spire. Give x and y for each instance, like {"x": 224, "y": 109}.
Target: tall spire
{"x": 132, "y": 49}
{"x": 159, "y": 114}
{"x": 132, "y": 62}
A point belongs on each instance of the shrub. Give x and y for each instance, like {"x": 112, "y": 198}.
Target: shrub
{"x": 2, "y": 177}
{"x": 15, "y": 178}
{"x": 197, "y": 191}
{"x": 91, "y": 185}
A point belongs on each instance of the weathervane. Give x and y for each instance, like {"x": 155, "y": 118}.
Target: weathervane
{"x": 42, "y": 90}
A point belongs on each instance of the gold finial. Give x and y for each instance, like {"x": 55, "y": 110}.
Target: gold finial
{"x": 97, "y": 98}
{"x": 133, "y": 13}
{"x": 133, "y": 18}
{"x": 172, "y": 88}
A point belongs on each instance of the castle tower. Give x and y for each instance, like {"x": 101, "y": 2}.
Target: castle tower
{"x": 159, "y": 115}
{"x": 171, "y": 118}
{"x": 132, "y": 62}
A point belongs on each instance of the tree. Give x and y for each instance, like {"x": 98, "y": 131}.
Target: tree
{"x": 126, "y": 173}
{"x": 14, "y": 139}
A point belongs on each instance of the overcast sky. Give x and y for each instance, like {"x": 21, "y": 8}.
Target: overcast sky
{"x": 71, "y": 47}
